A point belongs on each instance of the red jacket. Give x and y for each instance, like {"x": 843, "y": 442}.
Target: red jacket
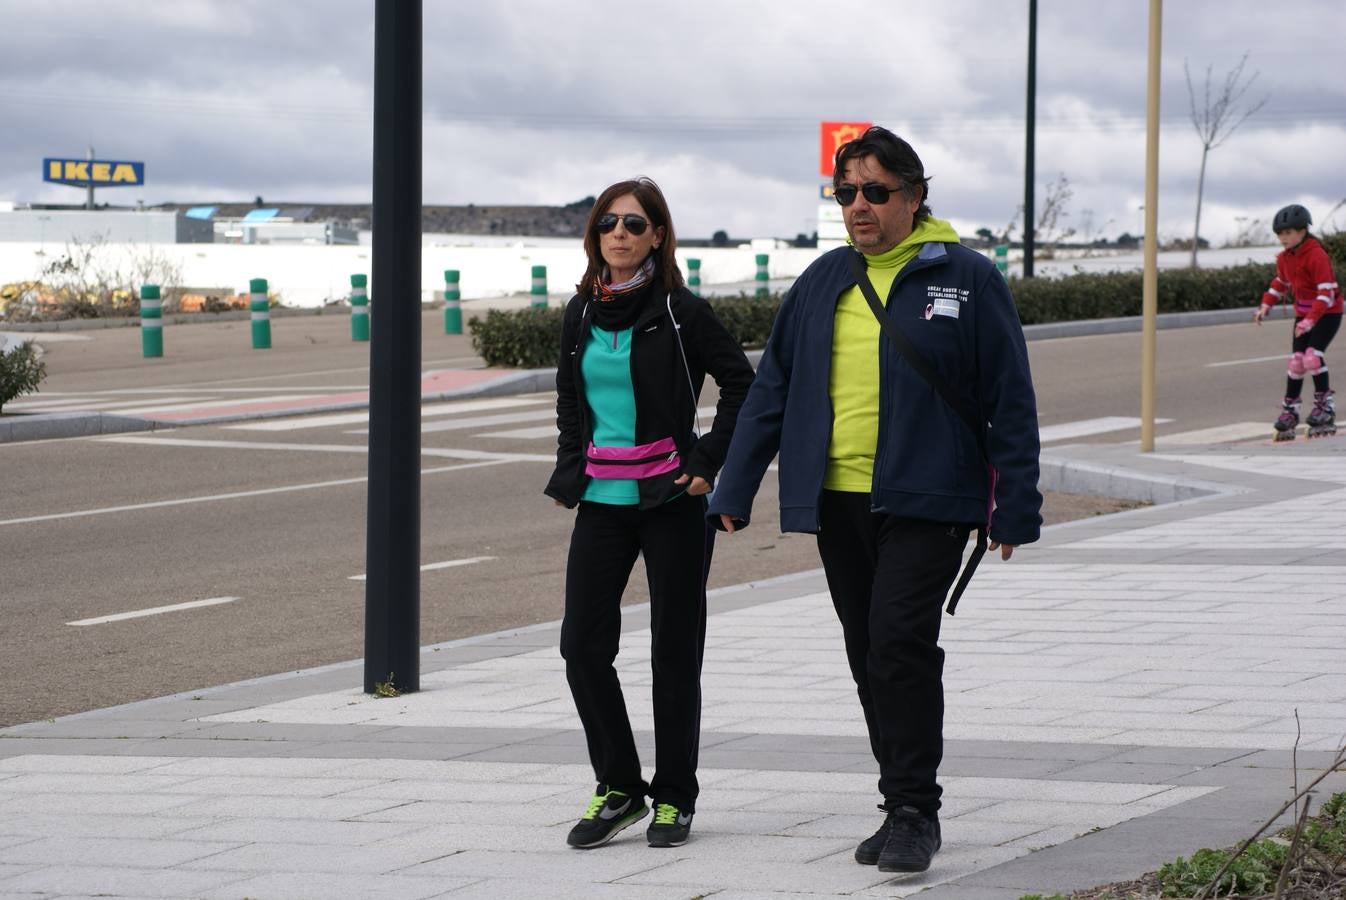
{"x": 1305, "y": 272}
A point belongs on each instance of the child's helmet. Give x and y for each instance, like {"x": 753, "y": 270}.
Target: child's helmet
{"x": 1292, "y": 216}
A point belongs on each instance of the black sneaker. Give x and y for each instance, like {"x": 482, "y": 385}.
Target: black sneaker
{"x": 867, "y": 854}
{"x": 913, "y": 838}
{"x": 670, "y": 827}
{"x": 608, "y": 813}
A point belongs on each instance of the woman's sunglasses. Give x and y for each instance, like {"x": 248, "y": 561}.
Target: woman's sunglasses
{"x": 874, "y": 192}
{"x": 634, "y": 223}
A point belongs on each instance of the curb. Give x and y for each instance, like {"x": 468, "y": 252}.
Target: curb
{"x": 1163, "y": 321}
{"x": 65, "y": 425}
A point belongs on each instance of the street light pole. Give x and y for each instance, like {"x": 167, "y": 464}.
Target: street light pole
{"x": 393, "y": 535}
{"x": 1150, "y": 280}
{"x": 1031, "y": 126}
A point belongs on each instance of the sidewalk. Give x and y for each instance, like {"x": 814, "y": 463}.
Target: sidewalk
{"x": 1121, "y": 693}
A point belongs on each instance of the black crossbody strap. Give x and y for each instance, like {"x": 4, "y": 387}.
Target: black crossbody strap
{"x": 923, "y": 368}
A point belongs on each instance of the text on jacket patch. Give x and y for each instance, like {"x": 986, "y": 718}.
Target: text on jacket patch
{"x": 945, "y": 301}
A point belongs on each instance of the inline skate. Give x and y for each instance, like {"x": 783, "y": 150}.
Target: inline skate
{"x": 1322, "y": 419}
{"x": 1288, "y": 420}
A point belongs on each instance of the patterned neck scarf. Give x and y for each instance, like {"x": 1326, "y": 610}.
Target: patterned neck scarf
{"x": 606, "y": 293}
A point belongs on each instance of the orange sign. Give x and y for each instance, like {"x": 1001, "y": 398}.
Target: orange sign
{"x": 835, "y": 134}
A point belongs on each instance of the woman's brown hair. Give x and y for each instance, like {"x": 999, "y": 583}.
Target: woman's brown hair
{"x": 667, "y": 274}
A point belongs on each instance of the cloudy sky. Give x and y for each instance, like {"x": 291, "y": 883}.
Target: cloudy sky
{"x": 541, "y": 101}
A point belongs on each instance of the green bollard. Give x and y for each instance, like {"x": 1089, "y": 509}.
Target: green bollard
{"x": 694, "y": 276}
{"x": 359, "y": 307}
{"x": 453, "y": 310}
{"x": 539, "y": 290}
{"x": 1002, "y": 259}
{"x": 261, "y": 315}
{"x": 151, "y": 321}
{"x": 761, "y": 277}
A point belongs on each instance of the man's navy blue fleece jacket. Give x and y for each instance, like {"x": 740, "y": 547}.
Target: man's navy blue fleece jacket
{"x": 956, "y": 308}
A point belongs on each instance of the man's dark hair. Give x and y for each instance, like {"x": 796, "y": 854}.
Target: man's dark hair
{"x": 895, "y": 155}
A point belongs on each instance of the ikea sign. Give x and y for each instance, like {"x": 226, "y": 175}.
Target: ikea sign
{"x": 93, "y": 172}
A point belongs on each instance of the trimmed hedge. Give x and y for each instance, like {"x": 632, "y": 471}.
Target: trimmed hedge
{"x": 530, "y": 338}
{"x": 1110, "y": 294}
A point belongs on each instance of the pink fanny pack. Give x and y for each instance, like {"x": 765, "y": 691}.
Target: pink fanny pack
{"x": 641, "y": 461}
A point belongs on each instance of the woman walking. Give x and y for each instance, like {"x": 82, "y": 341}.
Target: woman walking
{"x": 636, "y": 347}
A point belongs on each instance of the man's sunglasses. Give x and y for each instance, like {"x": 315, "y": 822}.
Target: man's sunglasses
{"x": 634, "y": 223}
{"x": 874, "y": 192}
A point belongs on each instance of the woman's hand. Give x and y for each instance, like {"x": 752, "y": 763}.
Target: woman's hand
{"x": 1006, "y": 550}
{"x": 698, "y": 485}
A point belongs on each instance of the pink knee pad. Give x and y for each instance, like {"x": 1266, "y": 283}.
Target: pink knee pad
{"x": 1312, "y": 361}
{"x": 1296, "y": 365}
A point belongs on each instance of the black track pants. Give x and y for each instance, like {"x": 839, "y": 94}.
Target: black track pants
{"x": 888, "y": 578}
{"x": 676, "y": 543}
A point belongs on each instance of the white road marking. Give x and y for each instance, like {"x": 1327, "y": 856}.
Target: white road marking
{"x": 117, "y": 406}
{"x": 707, "y": 415}
{"x": 536, "y": 415}
{"x": 212, "y": 404}
{"x": 157, "y": 610}
{"x": 527, "y": 434}
{"x": 238, "y": 495}
{"x": 448, "y": 564}
{"x": 41, "y": 403}
{"x": 1239, "y": 431}
{"x": 321, "y": 448}
{"x": 362, "y": 417}
{"x": 1086, "y": 427}
{"x": 1240, "y": 362}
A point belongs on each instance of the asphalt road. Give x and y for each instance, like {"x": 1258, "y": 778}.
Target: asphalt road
{"x": 275, "y": 518}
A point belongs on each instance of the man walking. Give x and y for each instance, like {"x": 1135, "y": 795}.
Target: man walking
{"x": 895, "y": 439}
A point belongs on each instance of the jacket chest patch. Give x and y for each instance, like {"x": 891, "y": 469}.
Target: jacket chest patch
{"x": 944, "y": 301}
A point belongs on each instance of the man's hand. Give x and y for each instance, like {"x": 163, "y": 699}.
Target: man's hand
{"x": 1304, "y": 327}
{"x": 1262, "y": 312}
{"x": 1006, "y": 550}
{"x": 698, "y": 484}
{"x": 727, "y": 522}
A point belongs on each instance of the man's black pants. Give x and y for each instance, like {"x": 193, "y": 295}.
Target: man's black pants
{"x": 888, "y": 578}
{"x": 676, "y": 543}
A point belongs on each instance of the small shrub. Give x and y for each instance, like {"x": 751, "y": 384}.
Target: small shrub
{"x": 521, "y": 338}
{"x": 20, "y": 372}
{"x": 748, "y": 319}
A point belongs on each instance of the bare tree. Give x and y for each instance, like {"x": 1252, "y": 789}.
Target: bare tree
{"x": 1050, "y": 229}
{"x": 1215, "y": 120}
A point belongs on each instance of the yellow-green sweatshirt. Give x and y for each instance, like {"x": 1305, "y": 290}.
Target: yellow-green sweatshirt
{"x": 854, "y": 382}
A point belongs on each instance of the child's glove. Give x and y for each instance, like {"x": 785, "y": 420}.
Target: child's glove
{"x": 1304, "y": 327}
{"x": 1262, "y": 312}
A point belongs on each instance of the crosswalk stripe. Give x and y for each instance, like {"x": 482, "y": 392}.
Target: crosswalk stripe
{"x": 549, "y": 431}
{"x": 362, "y": 417}
{"x": 126, "y": 404}
{"x": 1239, "y": 431}
{"x": 537, "y": 415}
{"x": 1086, "y": 427}
{"x": 212, "y": 404}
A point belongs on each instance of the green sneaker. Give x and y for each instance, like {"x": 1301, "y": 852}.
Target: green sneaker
{"x": 670, "y": 827}
{"x": 608, "y": 813}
